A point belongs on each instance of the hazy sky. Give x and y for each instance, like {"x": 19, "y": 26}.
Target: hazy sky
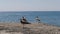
{"x": 29, "y": 5}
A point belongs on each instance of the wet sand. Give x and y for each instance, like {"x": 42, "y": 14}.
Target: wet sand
{"x": 35, "y": 28}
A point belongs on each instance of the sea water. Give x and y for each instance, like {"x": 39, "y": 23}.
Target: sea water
{"x": 49, "y": 17}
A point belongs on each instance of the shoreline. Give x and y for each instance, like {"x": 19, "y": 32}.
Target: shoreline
{"x": 36, "y": 28}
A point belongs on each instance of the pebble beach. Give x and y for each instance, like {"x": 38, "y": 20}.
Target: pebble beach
{"x": 34, "y": 28}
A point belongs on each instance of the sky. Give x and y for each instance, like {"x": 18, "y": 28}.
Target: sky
{"x": 29, "y": 5}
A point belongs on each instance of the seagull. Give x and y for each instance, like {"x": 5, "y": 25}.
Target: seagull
{"x": 24, "y": 21}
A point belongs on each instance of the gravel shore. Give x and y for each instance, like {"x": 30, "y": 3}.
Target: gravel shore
{"x": 35, "y": 28}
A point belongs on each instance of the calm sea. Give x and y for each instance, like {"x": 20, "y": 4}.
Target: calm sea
{"x": 50, "y": 17}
